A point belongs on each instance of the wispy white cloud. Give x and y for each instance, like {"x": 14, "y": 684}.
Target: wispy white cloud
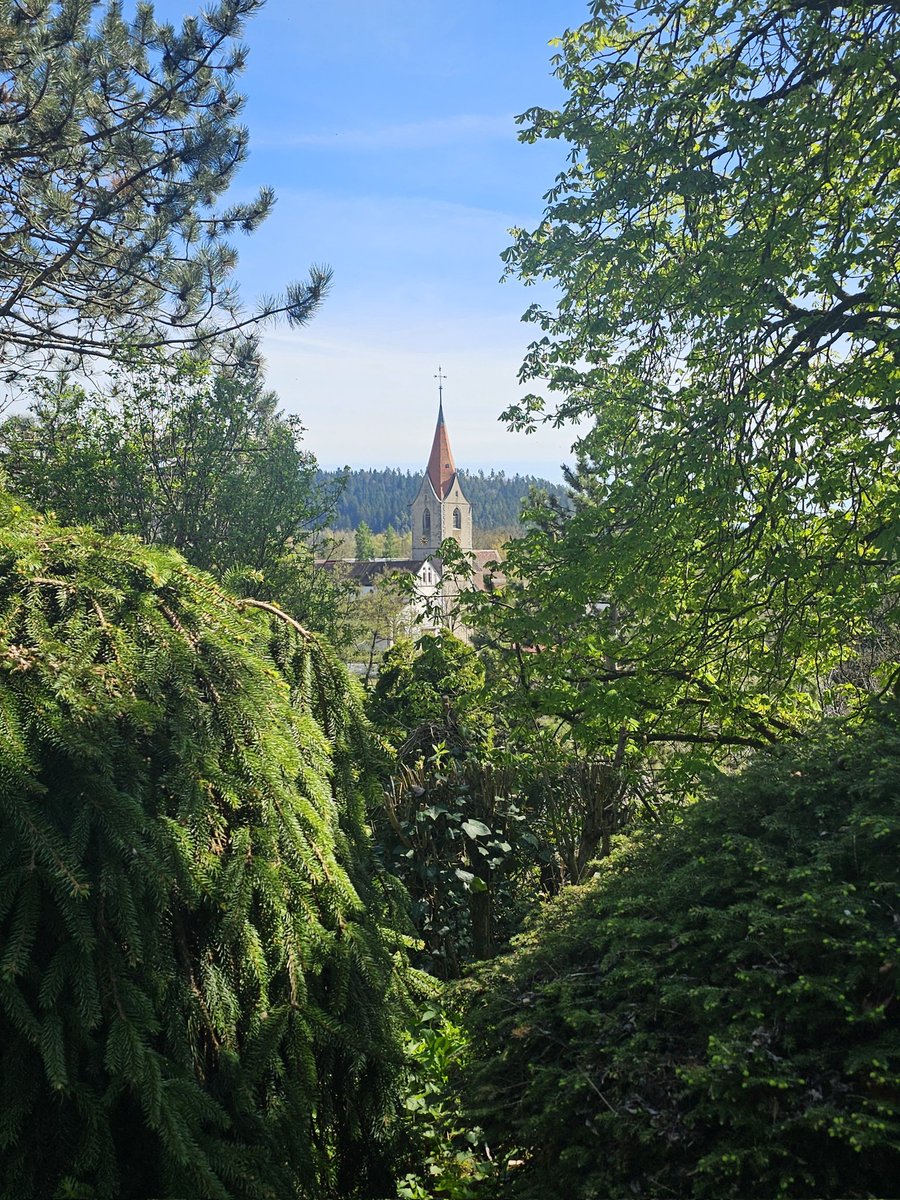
{"x": 411, "y": 135}
{"x": 407, "y": 251}
{"x": 368, "y": 397}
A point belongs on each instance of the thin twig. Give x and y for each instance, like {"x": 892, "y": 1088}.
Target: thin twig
{"x": 277, "y": 612}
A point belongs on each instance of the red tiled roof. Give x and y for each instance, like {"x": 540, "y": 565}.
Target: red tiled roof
{"x": 441, "y": 467}
{"x": 487, "y": 563}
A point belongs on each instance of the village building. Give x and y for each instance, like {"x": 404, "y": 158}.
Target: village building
{"x": 439, "y": 511}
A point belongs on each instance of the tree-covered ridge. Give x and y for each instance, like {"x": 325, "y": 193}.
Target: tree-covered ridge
{"x": 198, "y": 989}
{"x": 381, "y": 497}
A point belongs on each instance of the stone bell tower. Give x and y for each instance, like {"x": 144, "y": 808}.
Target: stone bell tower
{"x": 440, "y": 510}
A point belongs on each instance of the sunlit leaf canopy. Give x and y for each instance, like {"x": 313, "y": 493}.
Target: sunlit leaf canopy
{"x": 725, "y": 239}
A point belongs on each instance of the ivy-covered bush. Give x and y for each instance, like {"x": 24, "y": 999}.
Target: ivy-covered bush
{"x": 200, "y": 994}
{"x": 455, "y": 832}
{"x": 715, "y": 1013}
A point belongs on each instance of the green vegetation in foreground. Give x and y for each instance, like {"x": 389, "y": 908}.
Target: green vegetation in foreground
{"x": 203, "y": 988}
{"x": 715, "y": 1014}
{"x": 198, "y": 989}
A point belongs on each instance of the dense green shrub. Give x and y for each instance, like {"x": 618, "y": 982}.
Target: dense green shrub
{"x": 453, "y": 827}
{"x": 429, "y": 692}
{"x": 449, "y": 1160}
{"x": 715, "y": 1013}
{"x": 199, "y": 992}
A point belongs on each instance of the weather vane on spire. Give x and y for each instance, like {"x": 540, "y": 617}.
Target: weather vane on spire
{"x": 440, "y": 377}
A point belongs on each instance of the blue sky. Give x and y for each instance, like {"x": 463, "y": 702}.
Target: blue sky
{"x": 386, "y": 128}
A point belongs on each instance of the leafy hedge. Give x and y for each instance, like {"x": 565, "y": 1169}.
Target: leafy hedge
{"x": 715, "y": 1014}
{"x": 199, "y": 991}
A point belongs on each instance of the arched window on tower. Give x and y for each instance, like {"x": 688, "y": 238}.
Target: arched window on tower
{"x": 457, "y": 519}
{"x": 426, "y": 524}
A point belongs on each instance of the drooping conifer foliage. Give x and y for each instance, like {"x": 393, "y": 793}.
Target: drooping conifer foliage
{"x": 199, "y": 994}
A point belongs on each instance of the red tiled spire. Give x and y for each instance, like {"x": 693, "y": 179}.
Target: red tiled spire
{"x": 441, "y": 467}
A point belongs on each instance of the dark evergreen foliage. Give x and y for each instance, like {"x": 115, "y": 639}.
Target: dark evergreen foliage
{"x": 716, "y": 1013}
{"x": 186, "y": 456}
{"x": 119, "y": 135}
{"x": 382, "y": 497}
{"x": 200, "y": 994}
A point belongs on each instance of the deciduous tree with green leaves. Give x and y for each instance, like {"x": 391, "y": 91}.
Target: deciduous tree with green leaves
{"x": 187, "y": 456}
{"x": 427, "y": 690}
{"x": 391, "y": 543}
{"x": 726, "y": 243}
{"x": 175, "y": 452}
{"x": 364, "y": 541}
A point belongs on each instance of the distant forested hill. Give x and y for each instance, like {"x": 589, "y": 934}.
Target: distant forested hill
{"x": 382, "y": 497}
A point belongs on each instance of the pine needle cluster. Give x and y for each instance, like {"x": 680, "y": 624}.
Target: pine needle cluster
{"x": 119, "y": 136}
{"x": 200, "y": 992}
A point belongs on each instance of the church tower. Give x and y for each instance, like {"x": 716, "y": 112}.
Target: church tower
{"x": 440, "y": 510}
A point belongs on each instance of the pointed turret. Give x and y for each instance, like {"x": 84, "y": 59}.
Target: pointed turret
{"x": 440, "y": 510}
{"x": 441, "y": 468}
